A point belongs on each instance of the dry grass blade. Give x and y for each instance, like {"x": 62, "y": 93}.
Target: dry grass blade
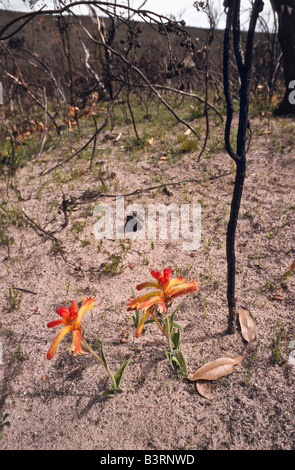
{"x": 247, "y": 323}
{"x": 215, "y": 369}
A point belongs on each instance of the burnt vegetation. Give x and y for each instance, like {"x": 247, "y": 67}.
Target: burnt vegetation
{"x": 58, "y": 68}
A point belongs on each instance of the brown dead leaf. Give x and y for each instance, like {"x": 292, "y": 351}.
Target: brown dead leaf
{"x": 204, "y": 388}
{"x": 278, "y": 295}
{"x": 289, "y": 271}
{"x": 124, "y": 336}
{"x": 247, "y": 323}
{"x": 264, "y": 132}
{"x": 73, "y": 110}
{"x": 215, "y": 369}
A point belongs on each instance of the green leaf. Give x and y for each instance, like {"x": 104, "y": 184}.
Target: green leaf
{"x": 169, "y": 355}
{"x": 175, "y": 337}
{"x": 182, "y": 362}
{"x": 136, "y": 316}
{"x": 112, "y": 392}
{"x": 103, "y": 354}
{"x": 171, "y": 320}
{"x": 119, "y": 374}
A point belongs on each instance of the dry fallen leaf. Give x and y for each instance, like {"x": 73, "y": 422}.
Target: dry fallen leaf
{"x": 204, "y": 388}
{"x": 278, "y": 295}
{"x": 124, "y": 337}
{"x": 247, "y": 323}
{"x": 215, "y": 369}
{"x": 289, "y": 271}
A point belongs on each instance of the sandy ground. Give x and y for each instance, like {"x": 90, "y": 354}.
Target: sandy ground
{"x": 58, "y": 404}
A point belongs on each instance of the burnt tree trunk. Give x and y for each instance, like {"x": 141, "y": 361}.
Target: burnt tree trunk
{"x": 285, "y": 10}
{"x": 244, "y": 66}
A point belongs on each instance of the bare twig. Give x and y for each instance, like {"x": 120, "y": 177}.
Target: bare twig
{"x": 93, "y": 137}
{"x": 191, "y": 95}
{"x": 144, "y": 78}
{"x": 93, "y": 195}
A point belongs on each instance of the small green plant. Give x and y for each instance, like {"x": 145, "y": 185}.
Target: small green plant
{"x": 3, "y": 422}
{"x": 4, "y": 237}
{"x": 156, "y": 304}
{"x": 253, "y": 359}
{"x": 287, "y": 274}
{"x": 174, "y": 355}
{"x": 188, "y": 144}
{"x": 115, "y": 378}
{"x": 78, "y": 227}
{"x": 115, "y": 263}
{"x": 14, "y": 299}
{"x": 20, "y": 355}
{"x": 276, "y": 343}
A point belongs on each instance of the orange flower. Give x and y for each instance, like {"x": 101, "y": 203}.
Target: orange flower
{"x": 167, "y": 290}
{"x": 71, "y": 318}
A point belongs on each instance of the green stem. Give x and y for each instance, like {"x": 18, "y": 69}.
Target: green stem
{"x": 168, "y": 334}
{"x": 159, "y": 325}
{"x": 86, "y": 345}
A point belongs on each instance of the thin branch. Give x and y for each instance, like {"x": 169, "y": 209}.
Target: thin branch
{"x": 144, "y": 78}
{"x": 191, "y": 95}
{"x": 206, "y": 99}
{"x": 95, "y": 194}
{"x": 237, "y": 37}
{"x": 144, "y": 14}
{"x": 226, "y": 86}
{"x": 93, "y": 137}
{"x": 94, "y": 142}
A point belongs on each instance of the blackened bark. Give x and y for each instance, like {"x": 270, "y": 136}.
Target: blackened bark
{"x": 230, "y": 243}
{"x": 244, "y": 65}
{"x": 285, "y": 10}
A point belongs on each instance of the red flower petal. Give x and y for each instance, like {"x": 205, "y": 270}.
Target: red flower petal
{"x": 73, "y": 309}
{"x": 57, "y": 340}
{"x": 53, "y": 323}
{"x": 63, "y": 312}
{"x": 144, "y": 285}
{"x": 166, "y": 274}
